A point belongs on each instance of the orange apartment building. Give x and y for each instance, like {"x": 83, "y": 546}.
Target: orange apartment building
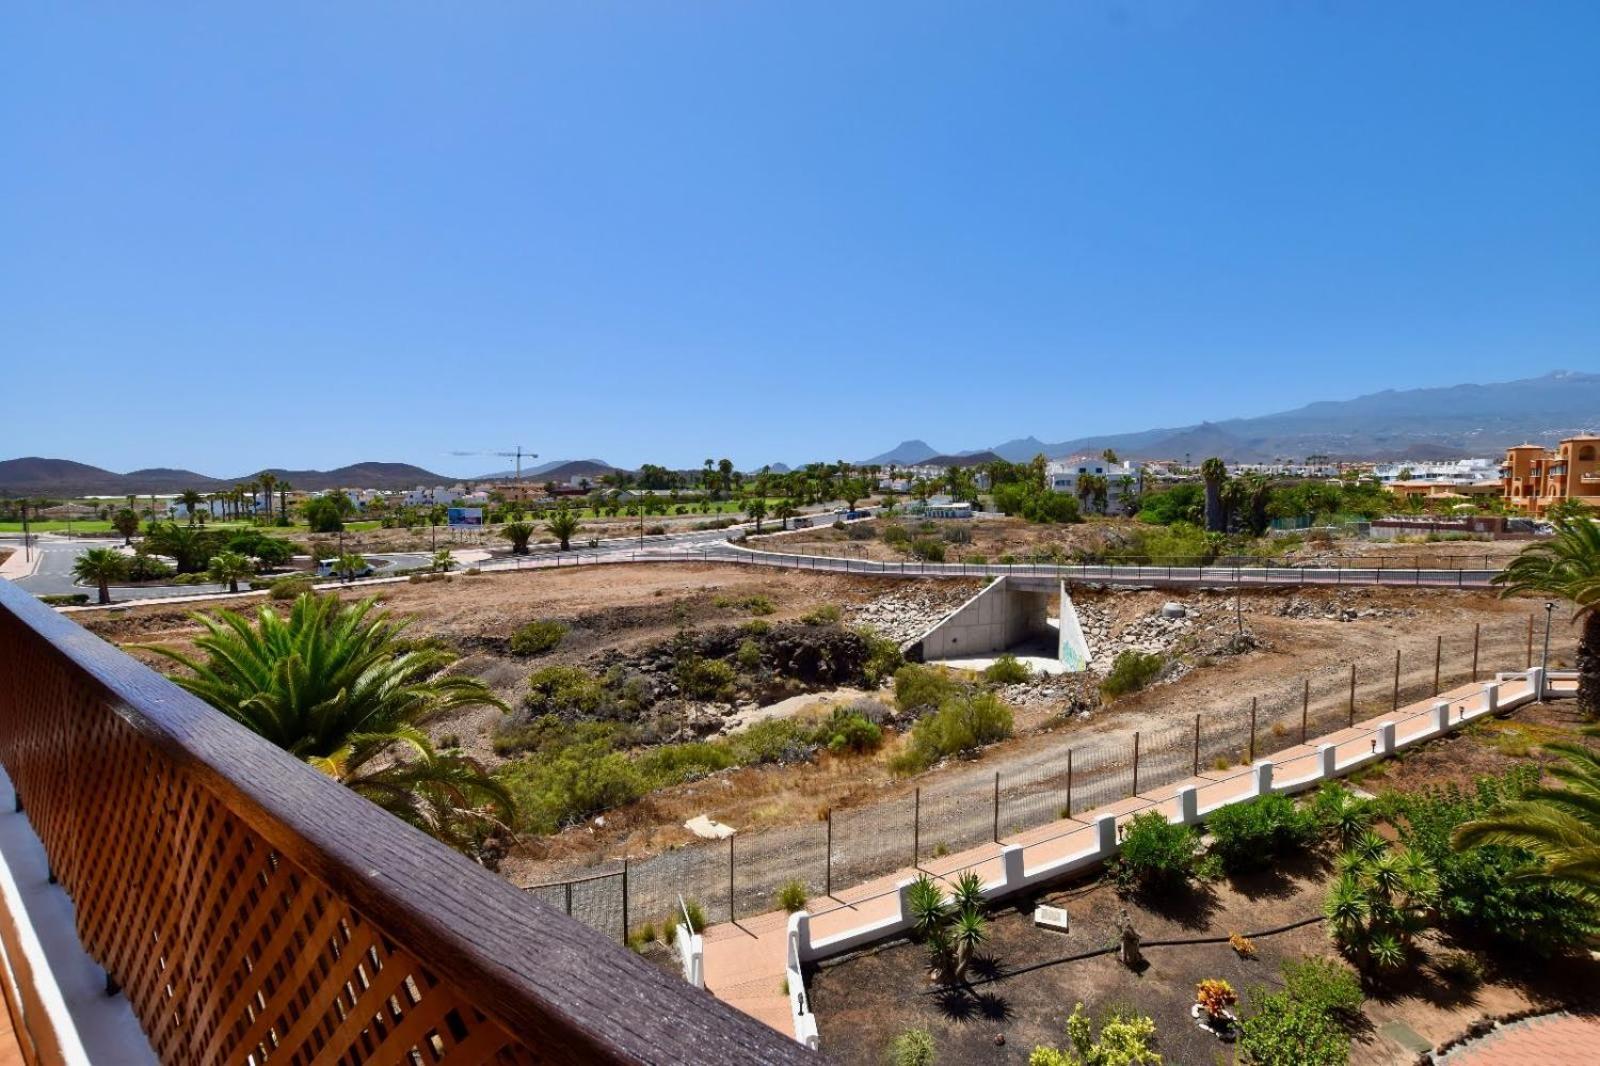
{"x": 1533, "y": 477}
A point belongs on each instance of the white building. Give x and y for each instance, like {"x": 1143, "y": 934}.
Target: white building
{"x": 1064, "y": 475}
{"x": 1455, "y": 471}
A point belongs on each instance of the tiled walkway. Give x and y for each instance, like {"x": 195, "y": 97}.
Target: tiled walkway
{"x": 744, "y": 962}
{"x": 1552, "y": 1040}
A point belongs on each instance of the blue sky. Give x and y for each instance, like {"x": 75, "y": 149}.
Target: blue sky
{"x": 305, "y": 235}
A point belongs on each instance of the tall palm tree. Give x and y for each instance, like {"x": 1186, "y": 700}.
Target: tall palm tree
{"x": 562, "y": 524}
{"x": 228, "y": 567}
{"x": 1567, "y": 566}
{"x": 1215, "y": 473}
{"x": 756, "y": 508}
{"x": 190, "y": 498}
{"x": 283, "y": 501}
{"x": 1559, "y": 826}
{"x": 337, "y": 686}
{"x": 102, "y": 566}
{"x": 267, "y": 481}
{"x": 785, "y": 510}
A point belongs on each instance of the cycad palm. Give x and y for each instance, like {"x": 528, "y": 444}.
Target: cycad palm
{"x": 1567, "y": 566}
{"x": 336, "y": 686}
{"x": 1559, "y": 826}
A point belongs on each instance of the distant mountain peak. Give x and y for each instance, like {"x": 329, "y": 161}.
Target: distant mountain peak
{"x": 906, "y": 453}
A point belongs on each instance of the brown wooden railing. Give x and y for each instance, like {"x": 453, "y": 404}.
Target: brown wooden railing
{"x": 253, "y": 910}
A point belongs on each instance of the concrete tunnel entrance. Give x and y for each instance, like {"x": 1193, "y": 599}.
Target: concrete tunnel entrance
{"x": 1031, "y": 618}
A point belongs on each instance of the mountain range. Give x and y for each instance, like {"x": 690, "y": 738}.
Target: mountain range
{"x": 1410, "y": 424}
{"x": 33, "y": 476}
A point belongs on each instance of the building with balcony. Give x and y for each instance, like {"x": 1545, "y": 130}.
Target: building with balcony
{"x": 175, "y": 889}
{"x": 1533, "y": 478}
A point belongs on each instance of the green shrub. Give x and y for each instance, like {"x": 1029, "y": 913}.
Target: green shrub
{"x": 914, "y": 1047}
{"x": 564, "y": 688}
{"x": 143, "y": 567}
{"x": 1247, "y": 836}
{"x": 792, "y": 896}
{"x": 749, "y": 655}
{"x": 1459, "y": 968}
{"x": 759, "y": 605}
{"x": 1284, "y": 1031}
{"x": 928, "y": 550}
{"x": 538, "y": 637}
{"x": 848, "y": 731}
{"x": 1157, "y": 855}
{"x": 826, "y": 615}
{"x": 288, "y": 588}
{"x": 697, "y": 915}
{"x": 883, "y": 657}
{"x": 756, "y": 627}
{"x": 563, "y": 788}
{"x": 895, "y": 536}
{"x": 922, "y": 686}
{"x": 65, "y": 599}
{"x": 964, "y": 722}
{"x": 1337, "y": 812}
{"x": 1131, "y": 671}
{"x": 706, "y": 679}
{"x": 673, "y": 764}
{"x": 774, "y": 740}
{"x": 1007, "y": 670}
{"x": 1326, "y": 985}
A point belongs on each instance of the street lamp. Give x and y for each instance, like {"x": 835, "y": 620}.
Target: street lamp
{"x": 1544, "y": 660}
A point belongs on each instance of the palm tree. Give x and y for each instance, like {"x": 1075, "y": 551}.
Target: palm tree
{"x": 1559, "y": 826}
{"x": 267, "y": 482}
{"x": 229, "y": 567}
{"x": 563, "y": 524}
{"x": 283, "y": 502}
{"x": 102, "y": 566}
{"x": 756, "y": 508}
{"x": 1567, "y": 566}
{"x": 518, "y": 533}
{"x": 337, "y": 686}
{"x": 126, "y": 522}
{"x": 785, "y": 510}
{"x": 1215, "y": 472}
{"x": 190, "y": 499}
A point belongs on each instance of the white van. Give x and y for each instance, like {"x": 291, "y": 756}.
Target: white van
{"x": 329, "y": 568}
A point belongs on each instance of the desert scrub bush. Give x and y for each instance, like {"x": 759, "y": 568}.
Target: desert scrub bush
{"x": 826, "y": 615}
{"x": 1157, "y": 855}
{"x": 913, "y": 1047}
{"x": 955, "y": 533}
{"x": 758, "y": 605}
{"x": 1459, "y": 968}
{"x": 572, "y": 689}
{"x": 1131, "y": 671}
{"x": 749, "y": 655}
{"x": 706, "y": 679}
{"x": 1248, "y": 836}
{"x": 562, "y": 787}
{"x": 883, "y": 657}
{"x": 895, "y": 535}
{"x": 928, "y": 550}
{"x": 964, "y": 722}
{"x": 848, "y": 731}
{"x": 538, "y": 637}
{"x": 288, "y": 588}
{"x": 1329, "y": 986}
{"x": 775, "y": 740}
{"x": 792, "y": 896}
{"x": 673, "y": 764}
{"x": 917, "y": 686}
{"x": 1007, "y": 670}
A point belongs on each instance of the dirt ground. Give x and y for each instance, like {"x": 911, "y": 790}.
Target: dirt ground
{"x": 991, "y": 537}
{"x": 1024, "y": 988}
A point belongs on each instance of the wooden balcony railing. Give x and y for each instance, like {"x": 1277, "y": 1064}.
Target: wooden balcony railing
{"x": 254, "y": 911}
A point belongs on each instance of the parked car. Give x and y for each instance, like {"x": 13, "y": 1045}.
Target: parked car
{"x": 329, "y": 568}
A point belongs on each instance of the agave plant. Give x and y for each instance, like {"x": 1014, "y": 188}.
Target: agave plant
{"x": 927, "y": 905}
{"x": 337, "y": 686}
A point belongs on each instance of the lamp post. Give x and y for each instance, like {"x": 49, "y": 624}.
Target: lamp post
{"x": 1544, "y": 659}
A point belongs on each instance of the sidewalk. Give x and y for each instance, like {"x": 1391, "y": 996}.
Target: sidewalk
{"x": 746, "y": 962}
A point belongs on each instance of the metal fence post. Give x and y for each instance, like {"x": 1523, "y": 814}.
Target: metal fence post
{"x": 916, "y": 830}
{"x": 1529, "y": 665}
{"x": 569, "y": 899}
{"x": 1305, "y": 708}
{"x": 1395, "y": 705}
{"x": 828, "y": 873}
{"x": 624, "y": 898}
{"x": 1135, "y": 763}
{"x": 730, "y": 879}
{"x": 1069, "y": 782}
{"x": 1197, "y": 745}
{"x": 997, "y": 806}
{"x": 1476, "y": 629}
{"x": 1438, "y": 656}
{"x": 1352, "y": 693}
{"x": 1252, "y": 730}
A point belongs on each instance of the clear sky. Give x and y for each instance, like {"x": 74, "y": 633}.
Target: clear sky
{"x": 305, "y": 235}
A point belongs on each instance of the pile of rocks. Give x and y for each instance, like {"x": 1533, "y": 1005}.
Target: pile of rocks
{"x": 908, "y": 612}
{"x": 1340, "y": 609}
{"x": 1155, "y": 633}
{"x": 1070, "y": 693}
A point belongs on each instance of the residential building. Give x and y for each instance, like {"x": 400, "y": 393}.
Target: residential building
{"x": 1122, "y": 479}
{"x": 1533, "y": 478}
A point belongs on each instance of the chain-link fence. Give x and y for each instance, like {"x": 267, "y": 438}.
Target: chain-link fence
{"x": 1059, "y": 779}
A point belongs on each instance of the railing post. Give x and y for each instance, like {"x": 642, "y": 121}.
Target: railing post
{"x": 1263, "y": 777}
{"x": 1105, "y": 835}
{"x": 1441, "y": 715}
{"x": 1385, "y": 738}
{"x": 1188, "y": 805}
{"x": 1529, "y": 665}
{"x": 1327, "y": 761}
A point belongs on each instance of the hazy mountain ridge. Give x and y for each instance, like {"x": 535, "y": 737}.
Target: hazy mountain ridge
{"x": 35, "y": 476}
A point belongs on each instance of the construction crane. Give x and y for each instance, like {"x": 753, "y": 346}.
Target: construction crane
{"x": 518, "y": 455}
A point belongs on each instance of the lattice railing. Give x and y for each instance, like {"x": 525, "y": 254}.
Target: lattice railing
{"x": 254, "y": 911}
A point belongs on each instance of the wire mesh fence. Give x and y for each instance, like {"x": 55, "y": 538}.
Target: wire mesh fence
{"x": 741, "y": 875}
